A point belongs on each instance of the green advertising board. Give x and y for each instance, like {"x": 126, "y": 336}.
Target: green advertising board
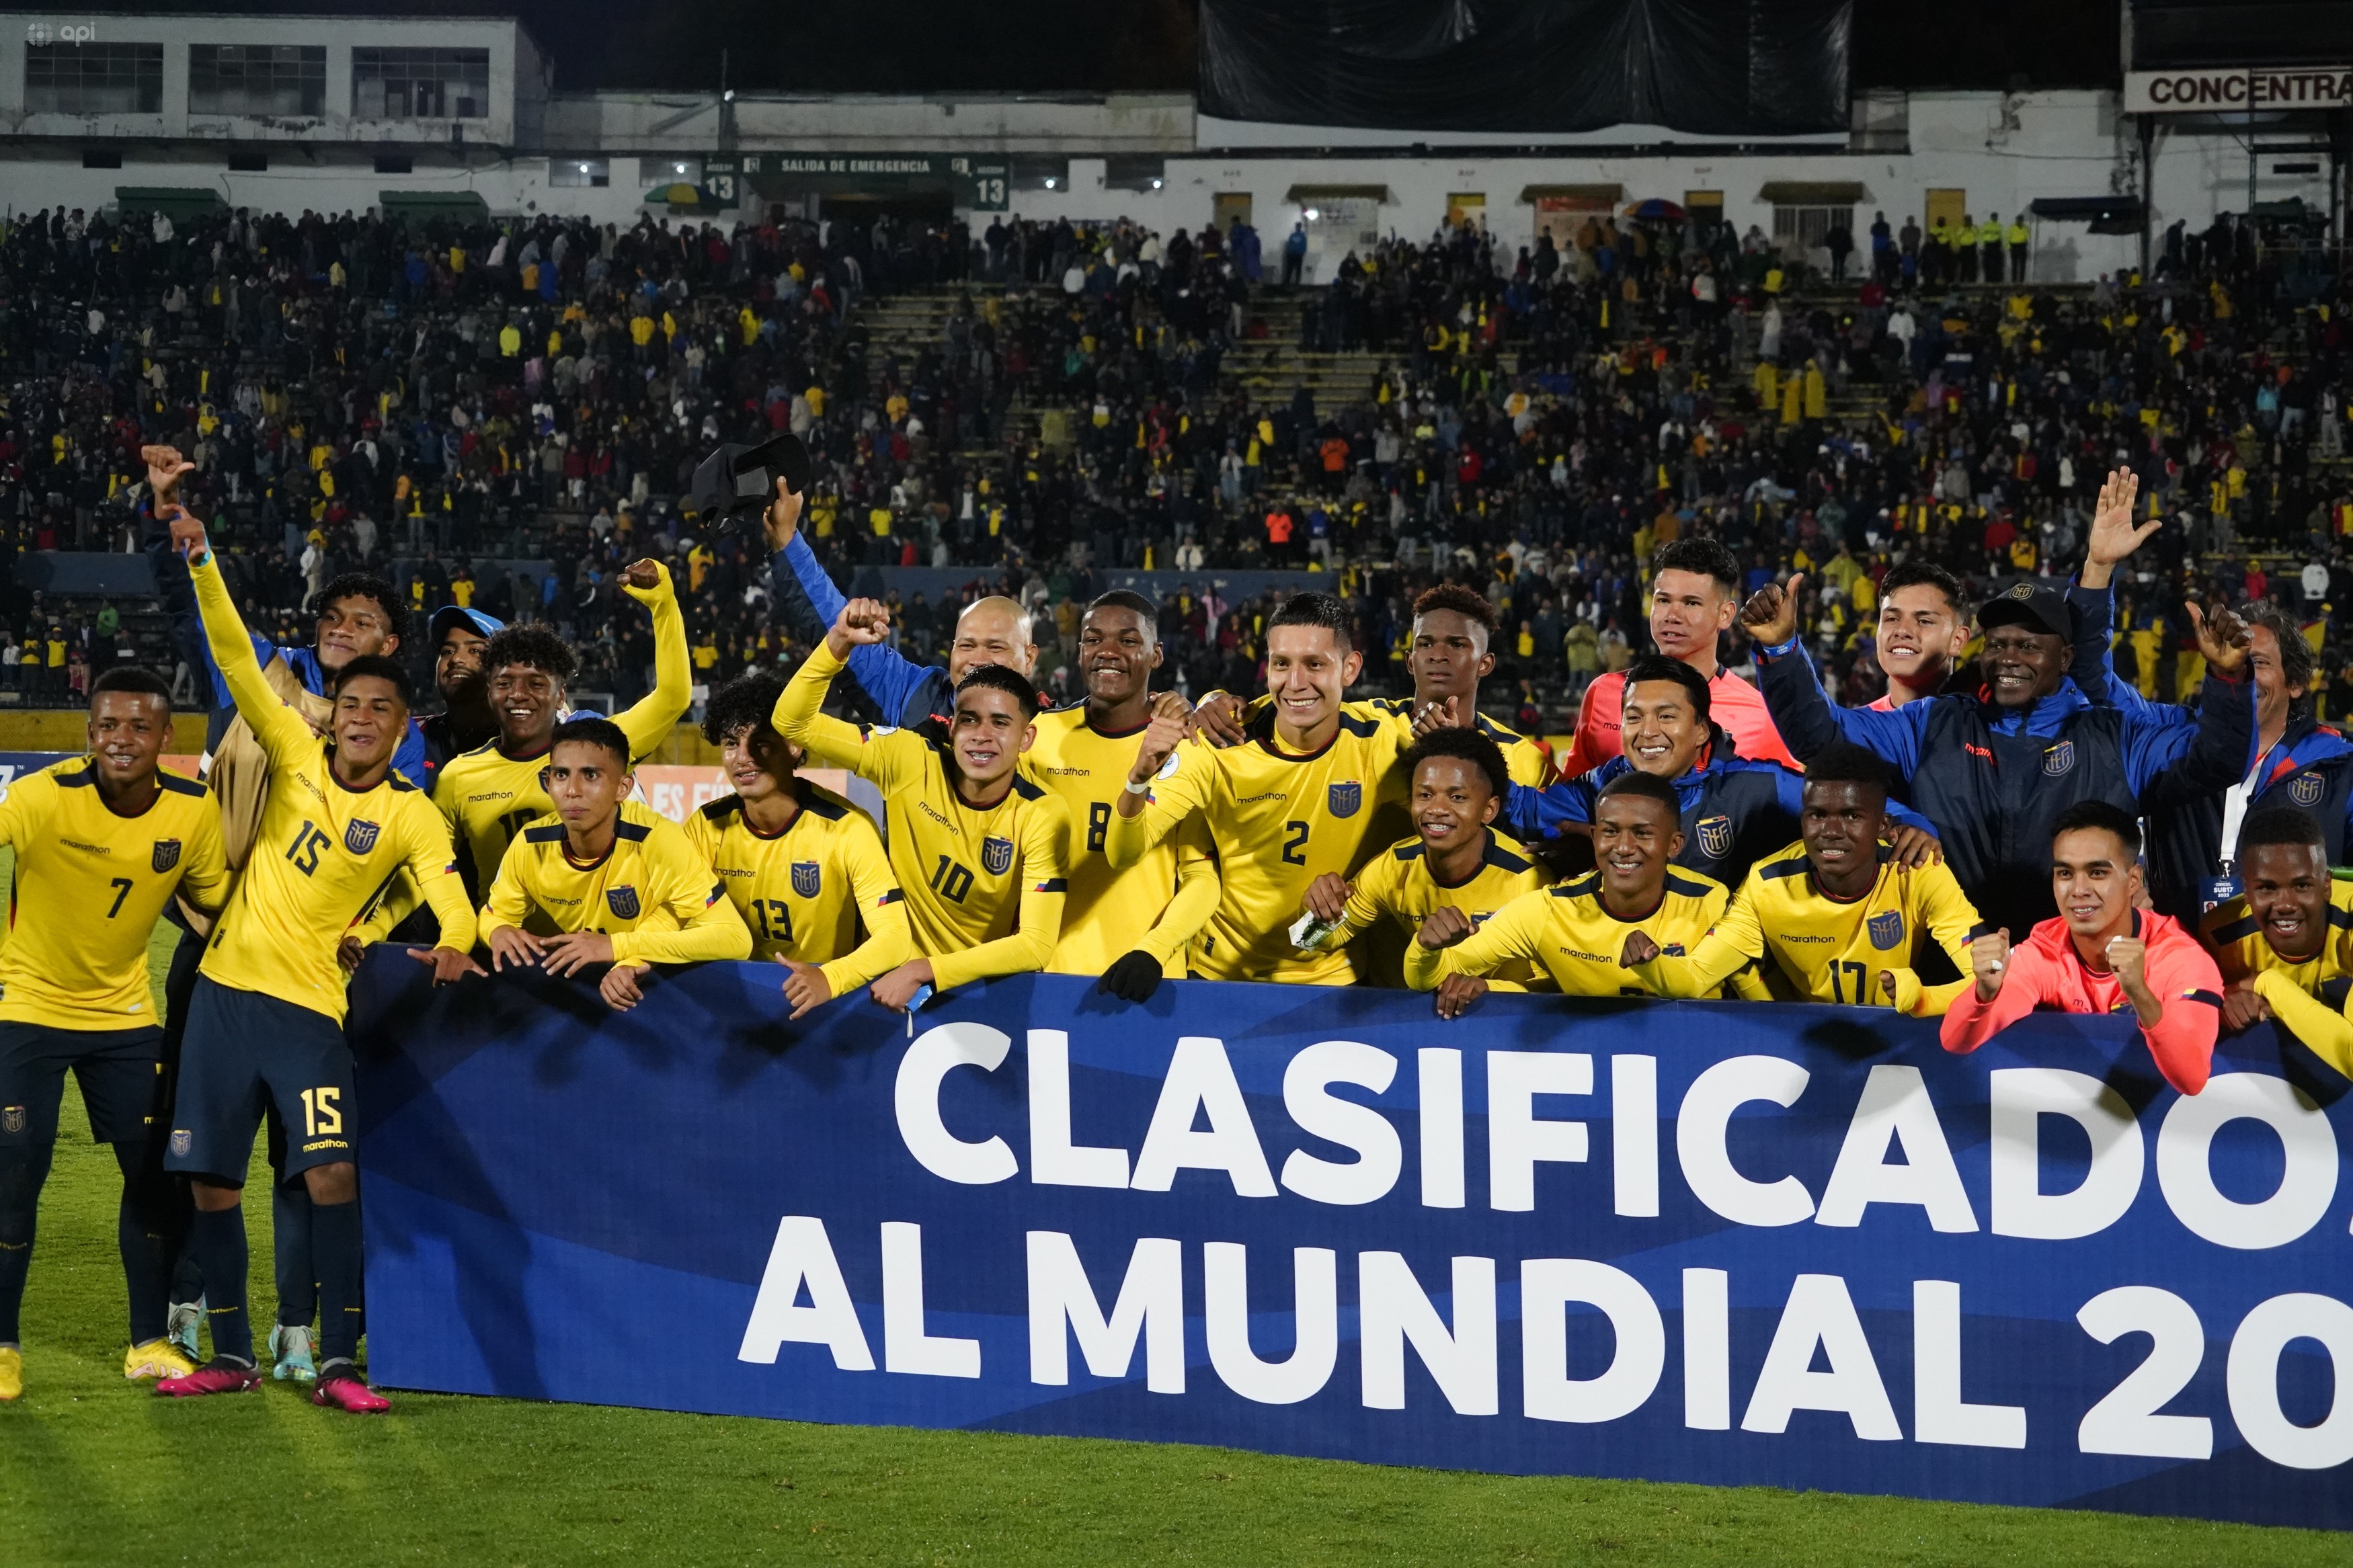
{"x": 980, "y": 182}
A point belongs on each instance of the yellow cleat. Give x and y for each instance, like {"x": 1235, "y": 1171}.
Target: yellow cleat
{"x": 156, "y": 1358}
{"x": 12, "y": 1372}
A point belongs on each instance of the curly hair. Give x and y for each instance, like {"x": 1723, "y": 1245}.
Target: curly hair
{"x": 533, "y": 646}
{"x": 1463, "y": 745}
{"x": 744, "y": 703}
{"x": 1464, "y": 602}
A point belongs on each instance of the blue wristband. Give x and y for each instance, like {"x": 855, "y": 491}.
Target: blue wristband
{"x": 1777, "y": 649}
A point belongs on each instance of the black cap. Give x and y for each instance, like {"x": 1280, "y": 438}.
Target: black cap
{"x": 2032, "y": 605}
{"x": 737, "y": 479}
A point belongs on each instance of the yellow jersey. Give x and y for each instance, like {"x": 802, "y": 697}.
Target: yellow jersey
{"x": 1397, "y": 887}
{"x": 650, "y": 891}
{"x": 984, "y": 884}
{"x": 1528, "y": 763}
{"x": 90, "y": 886}
{"x": 487, "y": 797}
{"x": 1278, "y": 821}
{"x": 2309, "y": 997}
{"x": 326, "y": 854}
{"x": 1567, "y": 932}
{"x": 1828, "y": 950}
{"x": 807, "y": 892}
{"x": 1157, "y": 905}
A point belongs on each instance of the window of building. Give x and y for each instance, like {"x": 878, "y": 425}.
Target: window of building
{"x": 94, "y": 79}
{"x": 577, "y": 171}
{"x": 257, "y": 78}
{"x": 1809, "y": 224}
{"x": 421, "y": 84}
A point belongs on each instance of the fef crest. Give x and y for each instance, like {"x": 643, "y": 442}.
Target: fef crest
{"x": 1345, "y": 798}
{"x": 12, "y": 1120}
{"x": 1715, "y": 836}
{"x": 2059, "y": 759}
{"x": 1886, "y": 930}
{"x": 166, "y": 855}
{"x": 2305, "y": 789}
{"x": 996, "y": 856}
{"x": 359, "y": 838}
{"x": 805, "y": 880}
{"x": 622, "y": 901}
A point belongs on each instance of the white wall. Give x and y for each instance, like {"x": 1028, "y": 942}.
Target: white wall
{"x": 2003, "y": 150}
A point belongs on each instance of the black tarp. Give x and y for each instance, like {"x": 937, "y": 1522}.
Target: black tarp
{"x": 1719, "y": 68}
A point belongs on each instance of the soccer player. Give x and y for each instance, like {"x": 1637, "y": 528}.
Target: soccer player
{"x": 1839, "y": 915}
{"x": 979, "y": 850}
{"x": 1922, "y": 627}
{"x": 2100, "y": 955}
{"x": 1736, "y": 810}
{"x": 103, "y": 843}
{"x": 1694, "y": 596}
{"x": 1577, "y": 932}
{"x": 458, "y": 634}
{"x": 1292, "y": 803}
{"x": 2285, "y": 945}
{"x": 994, "y": 630}
{"x": 803, "y": 868}
{"x": 1455, "y": 859}
{"x": 266, "y": 1021}
{"x": 1994, "y": 769}
{"x": 604, "y": 881}
{"x": 1131, "y": 926}
{"x": 1447, "y": 657}
{"x": 490, "y": 792}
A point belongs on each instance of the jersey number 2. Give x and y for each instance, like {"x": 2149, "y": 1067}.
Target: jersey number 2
{"x": 1294, "y": 848}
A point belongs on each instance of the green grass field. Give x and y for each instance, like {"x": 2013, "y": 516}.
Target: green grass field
{"x": 95, "y": 1470}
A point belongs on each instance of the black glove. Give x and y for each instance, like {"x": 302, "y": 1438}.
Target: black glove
{"x": 1131, "y": 979}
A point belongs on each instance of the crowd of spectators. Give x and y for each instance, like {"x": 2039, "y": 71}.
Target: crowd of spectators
{"x": 446, "y": 401}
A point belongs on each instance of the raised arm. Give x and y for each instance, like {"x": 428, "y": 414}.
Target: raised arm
{"x": 1045, "y": 842}
{"x": 2167, "y": 764}
{"x": 648, "y": 721}
{"x": 897, "y": 685}
{"x": 884, "y": 757}
{"x": 1532, "y": 815}
{"x": 1158, "y": 795}
{"x": 281, "y": 730}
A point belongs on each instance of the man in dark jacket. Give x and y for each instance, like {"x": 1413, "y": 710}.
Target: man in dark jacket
{"x": 1736, "y": 810}
{"x": 1994, "y": 769}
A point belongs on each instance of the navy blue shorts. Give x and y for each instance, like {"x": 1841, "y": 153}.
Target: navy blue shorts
{"x": 123, "y": 1085}
{"x": 246, "y": 1052}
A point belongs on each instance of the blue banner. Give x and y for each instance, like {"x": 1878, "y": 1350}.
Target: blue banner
{"x": 1728, "y": 1244}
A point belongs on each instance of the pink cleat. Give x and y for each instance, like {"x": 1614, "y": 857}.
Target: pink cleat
{"x": 216, "y": 1376}
{"x": 339, "y": 1388}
